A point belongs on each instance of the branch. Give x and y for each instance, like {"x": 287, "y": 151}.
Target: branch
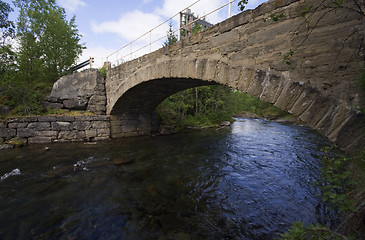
{"x": 351, "y": 215}
{"x": 315, "y": 25}
{"x": 318, "y": 229}
{"x": 314, "y": 11}
{"x": 361, "y": 8}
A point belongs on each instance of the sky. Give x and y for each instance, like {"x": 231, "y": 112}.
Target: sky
{"x": 110, "y": 25}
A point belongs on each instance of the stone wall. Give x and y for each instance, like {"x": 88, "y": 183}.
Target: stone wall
{"x": 128, "y": 125}
{"x": 51, "y": 129}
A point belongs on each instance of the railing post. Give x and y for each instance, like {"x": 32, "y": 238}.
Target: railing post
{"x": 230, "y": 9}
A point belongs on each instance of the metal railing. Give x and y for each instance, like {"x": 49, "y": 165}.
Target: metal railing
{"x": 137, "y": 47}
{"x": 90, "y": 61}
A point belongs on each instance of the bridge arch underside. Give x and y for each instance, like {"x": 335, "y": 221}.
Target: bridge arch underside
{"x": 133, "y": 113}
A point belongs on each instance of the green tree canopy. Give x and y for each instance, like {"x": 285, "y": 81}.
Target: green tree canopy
{"x": 49, "y": 43}
{"x": 171, "y": 36}
{"x": 6, "y": 33}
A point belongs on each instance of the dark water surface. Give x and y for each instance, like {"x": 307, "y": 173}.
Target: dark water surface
{"x": 249, "y": 181}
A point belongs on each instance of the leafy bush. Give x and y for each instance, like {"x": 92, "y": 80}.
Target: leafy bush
{"x": 210, "y": 105}
{"x": 102, "y": 72}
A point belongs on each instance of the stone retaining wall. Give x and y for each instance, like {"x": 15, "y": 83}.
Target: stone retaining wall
{"x": 49, "y": 129}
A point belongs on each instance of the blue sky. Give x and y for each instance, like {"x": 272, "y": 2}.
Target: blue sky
{"x": 108, "y": 25}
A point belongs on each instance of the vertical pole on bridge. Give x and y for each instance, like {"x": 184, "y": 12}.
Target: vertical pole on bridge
{"x": 230, "y": 9}
{"x": 131, "y": 51}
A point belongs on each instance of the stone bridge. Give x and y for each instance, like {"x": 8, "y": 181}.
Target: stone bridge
{"x": 319, "y": 84}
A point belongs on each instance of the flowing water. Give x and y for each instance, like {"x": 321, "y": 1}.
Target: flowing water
{"x": 247, "y": 181}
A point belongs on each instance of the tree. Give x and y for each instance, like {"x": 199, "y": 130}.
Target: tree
{"x": 171, "y": 36}
{"x": 49, "y": 44}
{"x": 7, "y": 33}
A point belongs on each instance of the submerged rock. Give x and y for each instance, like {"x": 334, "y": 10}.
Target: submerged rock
{"x": 6, "y": 146}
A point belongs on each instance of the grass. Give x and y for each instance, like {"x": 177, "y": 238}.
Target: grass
{"x": 51, "y": 112}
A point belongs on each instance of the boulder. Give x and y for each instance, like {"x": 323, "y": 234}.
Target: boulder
{"x": 75, "y": 91}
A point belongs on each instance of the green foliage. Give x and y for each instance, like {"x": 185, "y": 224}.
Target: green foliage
{"x": 306, "y": 10}
{"x": 196, "y": 27}
{"x": 299, "y": 231}
{"x": 210, "y": 105}
{"x": 337, "y": 3}
{"x": 171, "y": 36}
{"x": 287, "y": 56}
{"x": 21, "y": 97}
{"x": 49, "y": 44}
{"x": 362, "y": 80}
{"x": 335, "y": 185}
{"x": 6, "y": 26}
{"x": 336, "y": 181}
{"x": 274, "y": 17}
{"x": 102, "y": 72}
{"x": 242, "y": 4}
{"x": 7, "y": 56}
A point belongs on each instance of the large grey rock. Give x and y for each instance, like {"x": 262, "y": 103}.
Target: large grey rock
{"x": 74, "y": 91}
{"x": 79, "y": 85}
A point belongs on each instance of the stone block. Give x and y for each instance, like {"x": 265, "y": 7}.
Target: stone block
{"x": 100, "y": 125}
{"x": 223, "y": 38}
{"x": 6, "y": 146}
{"x": 65, "y": 118}
{"x": 40, "y": 126}
{"x": 91, "y": 133}
{"x": 22, "y": 120}
{"x": 96, "y": 99}
{"x": 47, "y": 119}
{"x": 54, "y": 105}
{"x": 104, "y": 131}
{"x": 81, "y": 135}
{"x": 39, "y": 140}
{"x": 46, "y": 133}
{"x": 304, "y": 101}
{"x": 82, "y": 125}
{"x": 6, "y": 133}
{"x": 25, "y": 132}
{"x": 62, "y": 126}
{"x": 17, "y": 125}
{"x": 97, "y": 109}
{"x": 67, "y": 135}
{"x": 74, "y": 104}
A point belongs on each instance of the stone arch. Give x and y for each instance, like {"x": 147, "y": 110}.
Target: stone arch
{"x": 320, "y": 86}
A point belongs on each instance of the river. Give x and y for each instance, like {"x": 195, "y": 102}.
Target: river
{"x": 247, "y": 181}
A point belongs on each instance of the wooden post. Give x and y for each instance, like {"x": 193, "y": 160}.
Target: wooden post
{"x": 91, "y": 60}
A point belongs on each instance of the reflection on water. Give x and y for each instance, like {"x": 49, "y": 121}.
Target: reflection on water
{"x": 249, "y": 181}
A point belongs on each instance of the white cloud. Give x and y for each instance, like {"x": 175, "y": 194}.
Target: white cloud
{"x": 130, "y": 26}
{"x": 72, "y": 5}
{"x": 147, "y": 1}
